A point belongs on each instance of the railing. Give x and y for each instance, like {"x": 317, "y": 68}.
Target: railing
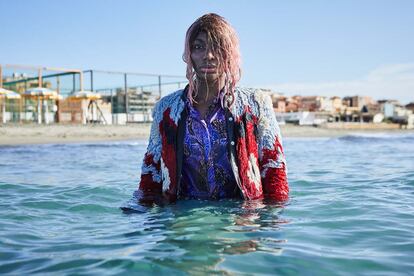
{"x": 131, "y": 95}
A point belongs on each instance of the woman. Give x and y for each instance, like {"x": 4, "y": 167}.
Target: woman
{"x": 213, "y": 140}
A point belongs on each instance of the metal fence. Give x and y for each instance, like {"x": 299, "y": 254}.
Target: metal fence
{"x": 127, "y": 97}
{"x": 131, "y": 95}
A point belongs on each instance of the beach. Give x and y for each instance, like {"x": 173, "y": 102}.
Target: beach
{"x": 15, "y": 134}
{"x": 46, "y": 134}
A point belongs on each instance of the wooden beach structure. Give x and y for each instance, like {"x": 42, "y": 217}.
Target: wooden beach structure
{"x": 89, "y": 104}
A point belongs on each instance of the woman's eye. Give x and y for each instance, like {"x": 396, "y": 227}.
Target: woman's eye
{"x": 197, "y": 46}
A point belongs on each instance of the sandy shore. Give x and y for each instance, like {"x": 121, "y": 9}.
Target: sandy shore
{"x": 44, "y": 134}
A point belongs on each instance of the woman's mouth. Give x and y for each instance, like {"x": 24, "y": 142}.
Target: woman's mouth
{"x": 208, "y": 69}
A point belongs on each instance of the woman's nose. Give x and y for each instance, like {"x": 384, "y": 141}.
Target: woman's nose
{"x": 209, "y": 54}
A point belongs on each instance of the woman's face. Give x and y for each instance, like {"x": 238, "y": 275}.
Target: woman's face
{"x": 204, "y": 59}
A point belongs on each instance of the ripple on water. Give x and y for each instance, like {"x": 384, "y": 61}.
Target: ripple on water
{"x": 349, "y": 213}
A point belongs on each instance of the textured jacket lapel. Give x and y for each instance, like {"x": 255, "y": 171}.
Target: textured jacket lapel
{"x": 179, "y": 147}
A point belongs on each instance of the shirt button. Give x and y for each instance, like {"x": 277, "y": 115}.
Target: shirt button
{"x": 232, "y": 143}
{"x": 231, "y": 119}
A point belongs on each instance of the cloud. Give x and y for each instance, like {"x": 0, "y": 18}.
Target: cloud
{"x": 395, "y": 81}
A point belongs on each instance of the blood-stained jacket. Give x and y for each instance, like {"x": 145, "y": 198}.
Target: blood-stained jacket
{"x": 255, "y": 148}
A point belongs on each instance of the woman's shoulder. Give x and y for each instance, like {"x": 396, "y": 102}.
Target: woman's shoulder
{"x": 173, "y": 101}
{"x": 171, "y": 98}
{"x": 254, "y": 98}
{"x": 251, "y": 94}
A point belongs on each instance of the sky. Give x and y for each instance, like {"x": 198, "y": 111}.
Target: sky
{"x": 328, "y": 48}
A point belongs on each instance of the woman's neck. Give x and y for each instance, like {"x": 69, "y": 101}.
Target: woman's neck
{"x": 208, "y": 91}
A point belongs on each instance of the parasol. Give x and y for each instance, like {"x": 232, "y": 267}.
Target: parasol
{"x": 41, "y": 93}
{"x": 7, "y": 94}
{"x": 85, "y": 95}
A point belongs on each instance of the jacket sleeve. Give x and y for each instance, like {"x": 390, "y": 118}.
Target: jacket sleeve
{"x": 272, "y": 162}
{"x": 150, "y": 185}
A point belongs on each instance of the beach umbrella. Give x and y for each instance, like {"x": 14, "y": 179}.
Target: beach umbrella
{"x": 85, "y": 95}
{"x": 41, "y": 93}
{"x": 88, "y": 95}
{"x": 7, "y": 94}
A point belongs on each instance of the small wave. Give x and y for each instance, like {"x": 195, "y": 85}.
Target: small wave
{"x": 381, "y": 136}
{"x": 106, "y": 144}
{"x": 24, "y": 149}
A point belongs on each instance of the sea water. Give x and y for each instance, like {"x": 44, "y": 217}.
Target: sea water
{"x": 351, "y": 211}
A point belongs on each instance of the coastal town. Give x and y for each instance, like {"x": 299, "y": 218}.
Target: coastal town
{"x": 52, "y": 99}
{"x": 335, "y": 111}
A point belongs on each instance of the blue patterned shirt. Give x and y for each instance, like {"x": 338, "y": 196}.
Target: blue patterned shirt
{"x": 206, "y": 172}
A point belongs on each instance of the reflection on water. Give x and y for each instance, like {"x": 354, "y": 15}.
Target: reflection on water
{"x": 200, "y": 234}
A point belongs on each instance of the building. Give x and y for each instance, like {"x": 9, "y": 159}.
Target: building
{"x": 315, "y": 104}
{"x": 279, "y": 103}
{"x": 292, "y": 104}
{"x": 337, "y": 105}
{"x": 326, "y": 105}
{"x": 410, "y": 106}
{"x": 403, "y": 117}
{"x": 387, "y": 107}
{"x": 308, "y": 103}
{"x": 357, "y": 102}
{"x": 140, "y": 105}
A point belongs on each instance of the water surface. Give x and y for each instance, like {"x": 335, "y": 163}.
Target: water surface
{"x": 351, "y": 212}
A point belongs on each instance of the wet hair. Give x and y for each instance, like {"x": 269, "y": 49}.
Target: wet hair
{"x": 225, "y": 44}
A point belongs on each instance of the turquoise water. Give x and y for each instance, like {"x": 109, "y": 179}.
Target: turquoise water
{"x": 351, "y": 212}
